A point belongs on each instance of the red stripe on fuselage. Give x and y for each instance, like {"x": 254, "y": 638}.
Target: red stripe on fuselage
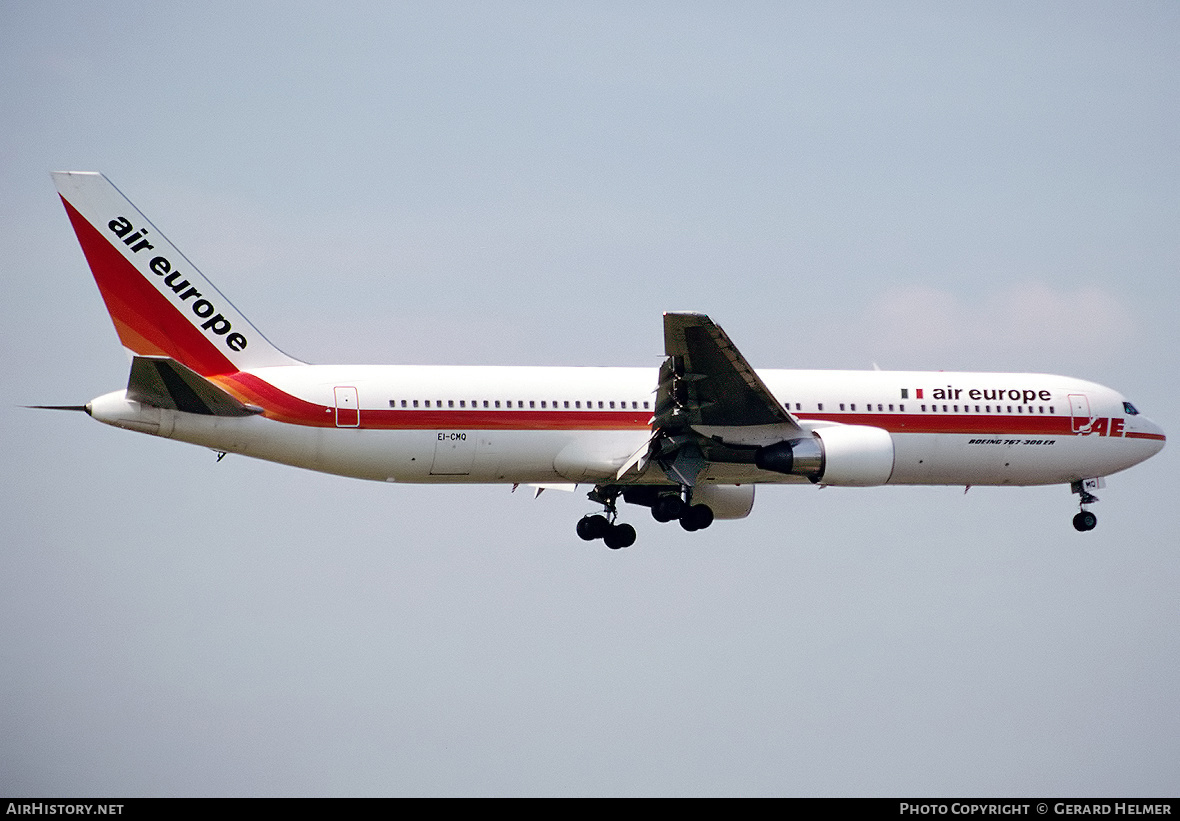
{"x": 283, "y": 407}
{"x": 147, "y": 323}
{"x": 967, "y": 423}
{"x": 1136, "y": 435}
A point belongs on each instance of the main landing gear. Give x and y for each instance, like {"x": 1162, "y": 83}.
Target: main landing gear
{"x": 603, "y": 525}
{"x": 1084, "y": 520}
{"x": 666, "y": 506}
{"x": 599, "y": 526}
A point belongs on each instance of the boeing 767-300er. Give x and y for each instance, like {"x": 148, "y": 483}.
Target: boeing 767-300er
{"x": 690, "y": 440}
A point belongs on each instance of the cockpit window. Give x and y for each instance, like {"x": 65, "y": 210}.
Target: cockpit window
{"x": 1129, "y": 409}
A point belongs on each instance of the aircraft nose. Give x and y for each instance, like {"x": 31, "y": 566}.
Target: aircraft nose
{"x": 1154, "y": 434}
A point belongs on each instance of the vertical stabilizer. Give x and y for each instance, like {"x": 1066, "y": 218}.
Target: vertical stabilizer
{"x": 160, "y": 303}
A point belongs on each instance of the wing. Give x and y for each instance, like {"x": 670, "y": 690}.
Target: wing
{"x": 710, "y": 404}
{"x": 705, "y": 382}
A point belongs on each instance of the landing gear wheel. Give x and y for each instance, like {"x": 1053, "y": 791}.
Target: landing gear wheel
{"x": 667, "y": 508}
{"x": 697, "y": 517}
{"x": 593, "y": 527}
{"x": 1085, "y": 521}
{"x": 620, "y": 536}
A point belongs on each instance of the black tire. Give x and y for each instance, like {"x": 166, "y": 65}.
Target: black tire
{"x": 667, "y": 508}
{"x": 697, "y": 517}
{"x": 620, "y": 536}
{"x": 592, "y": 527}
{"x": 703, "y": 514}
{"x": 1085, "y": 521}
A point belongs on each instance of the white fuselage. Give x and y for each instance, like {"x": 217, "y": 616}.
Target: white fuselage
{"x": 560, "y": 425}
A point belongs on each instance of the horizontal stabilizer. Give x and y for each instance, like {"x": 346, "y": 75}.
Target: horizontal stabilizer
{"x": 165, "y": 383}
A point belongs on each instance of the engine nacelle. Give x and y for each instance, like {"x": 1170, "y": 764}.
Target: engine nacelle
{"x": 726, "y": 501}
{"x": 843, "y": 455}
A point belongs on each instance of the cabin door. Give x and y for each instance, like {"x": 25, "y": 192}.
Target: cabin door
{"x": 1079, "y": 409}
{"x": 348, "y": 410}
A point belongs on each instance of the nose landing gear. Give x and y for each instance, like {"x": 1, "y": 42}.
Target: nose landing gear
{"x": 1085, "y": 520}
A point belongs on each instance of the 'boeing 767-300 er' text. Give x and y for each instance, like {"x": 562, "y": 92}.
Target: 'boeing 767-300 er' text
{"x": 690, "y": 441}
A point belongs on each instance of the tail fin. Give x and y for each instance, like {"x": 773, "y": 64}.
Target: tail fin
{"x": 162, "y": 306}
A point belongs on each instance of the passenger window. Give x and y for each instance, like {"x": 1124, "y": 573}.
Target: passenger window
{"x": 820, "y": 406}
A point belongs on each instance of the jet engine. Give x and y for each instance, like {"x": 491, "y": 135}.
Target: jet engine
{"x": 842, "y": 455}
{"x": 726, "y": 501}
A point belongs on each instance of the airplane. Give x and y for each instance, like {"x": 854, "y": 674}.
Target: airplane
{"x": 690, "y": 440}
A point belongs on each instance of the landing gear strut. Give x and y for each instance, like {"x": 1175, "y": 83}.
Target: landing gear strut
{"x": 1084, "y": 520}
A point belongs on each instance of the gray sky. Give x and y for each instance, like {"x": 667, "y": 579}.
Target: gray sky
{"x": 989, "y": 187}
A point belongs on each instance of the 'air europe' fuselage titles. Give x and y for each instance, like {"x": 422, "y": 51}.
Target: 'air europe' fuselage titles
{"x": 1021, "y": 395}
{"x": 137, "y": 240}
